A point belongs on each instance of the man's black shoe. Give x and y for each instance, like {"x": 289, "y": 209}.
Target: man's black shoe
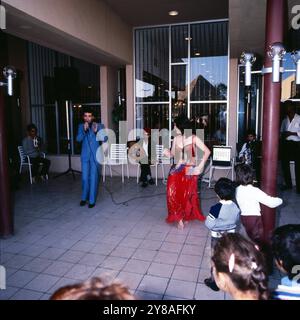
{"x": 144, "y": 184}
{"x": 211, "y": 284}
{"x": 151, "y": 181}
{"x": 82, "y": 203}
{"x": 91, "y": 205}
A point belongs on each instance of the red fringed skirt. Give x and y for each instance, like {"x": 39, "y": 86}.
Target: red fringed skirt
{"x": 182, "y": 197}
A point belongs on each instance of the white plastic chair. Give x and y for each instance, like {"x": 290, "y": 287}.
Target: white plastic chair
{"x": 117, "y": 155}
{"x": 160, "y": 160}
{"x": 25, "y": 161}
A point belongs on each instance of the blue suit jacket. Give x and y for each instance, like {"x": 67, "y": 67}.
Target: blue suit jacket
{"x": 90, "y": 140}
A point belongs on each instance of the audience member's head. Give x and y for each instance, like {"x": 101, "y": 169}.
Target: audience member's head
{"x": 147, "y": 132}
{"x": 94, "y": 289}
{"x": 225, "y": 189}
{"x": 286, "y": 248}
{"x": 239, "y": 268}
{"x": 32, "y": 130}
{"x": 244, "y": 174}
{"x": 289, "y": 108}
{"x": 251, "y": 135}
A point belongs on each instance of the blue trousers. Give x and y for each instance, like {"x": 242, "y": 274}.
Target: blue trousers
{"x": 90, "y": 180}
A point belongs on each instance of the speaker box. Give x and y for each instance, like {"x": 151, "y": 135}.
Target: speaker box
{"x": 67, "y": 86}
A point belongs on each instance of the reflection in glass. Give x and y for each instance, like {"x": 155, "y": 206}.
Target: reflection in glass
{"x": 154, "y": 116}
{"x": 288, "y": 84}
{"x": 209, "y": 61}
{"x": 179, "y": 43}
{"x": 179, "y": 90}
{"x": 212, "y": 117}
{"x": 152, "y": 64}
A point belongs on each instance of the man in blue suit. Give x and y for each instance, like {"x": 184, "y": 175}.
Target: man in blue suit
{"x": 90, "y": 133}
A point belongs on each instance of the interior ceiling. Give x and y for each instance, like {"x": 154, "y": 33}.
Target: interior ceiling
{"x": 31, "y": 29}
{"x": 155, "y": 12}
{"x": 246, "y": 24}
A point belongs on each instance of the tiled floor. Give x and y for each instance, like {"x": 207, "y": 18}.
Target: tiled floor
{"x": 57, "y": 242}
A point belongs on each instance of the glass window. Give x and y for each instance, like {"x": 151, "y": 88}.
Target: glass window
{"x": 154, "y": 116}
{"x": 212, "y": 117}
{"x": 249, "y": 109}
{"x": 209, "y": 61}
{"x": 186, "y": 74}
{"x": 179, "y": 90}
{"x": 44, "y": 66}
{"x": 152, "y": 64}
{"x": 288, "y": 84}
{"x": 179, "y": 43}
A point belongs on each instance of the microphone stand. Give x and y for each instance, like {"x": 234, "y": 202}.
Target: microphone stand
{"x": 70, "y": 169}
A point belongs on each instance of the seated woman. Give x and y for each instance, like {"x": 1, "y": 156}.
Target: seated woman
{"x": 182, "y": 186}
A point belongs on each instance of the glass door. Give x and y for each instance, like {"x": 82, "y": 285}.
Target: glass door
{"x": 249, "y": 106}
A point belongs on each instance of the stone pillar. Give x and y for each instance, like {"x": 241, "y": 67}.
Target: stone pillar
{"x": 130, "y": 99}
{"x": 109, "y": 94}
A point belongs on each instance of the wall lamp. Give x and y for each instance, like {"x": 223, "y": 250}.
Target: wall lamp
{"x": 247, "y": 59}
{"x": 276, "y": 52}
{"x": 10, "y": 74}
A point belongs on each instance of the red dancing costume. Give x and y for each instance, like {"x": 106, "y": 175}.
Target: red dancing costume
{"x": 182, "y": 191}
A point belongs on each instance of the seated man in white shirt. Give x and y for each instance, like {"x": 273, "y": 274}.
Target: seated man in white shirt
{"x": 290, "y": 145}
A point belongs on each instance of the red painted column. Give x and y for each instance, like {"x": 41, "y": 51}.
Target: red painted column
{"x": 6, "y": 211}
{"x": 271, "y": 112}
{"x": 6, "y": 214}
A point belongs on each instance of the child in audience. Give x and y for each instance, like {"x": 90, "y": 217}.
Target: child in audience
{"x": 239, "y": 268}
{"x": 222, "y": 218}
{"x": 286, "y": 250}
{"x": 249, "y": 153}
{"x": 249, "y": 198}
{"x": 93, "y": 289}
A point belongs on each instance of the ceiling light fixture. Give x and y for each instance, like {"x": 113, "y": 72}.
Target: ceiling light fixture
{"x": 173, "y": 13}
{"x": 197, "y": 54}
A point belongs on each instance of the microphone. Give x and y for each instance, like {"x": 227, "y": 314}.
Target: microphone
{"x": 86, "y": 127}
